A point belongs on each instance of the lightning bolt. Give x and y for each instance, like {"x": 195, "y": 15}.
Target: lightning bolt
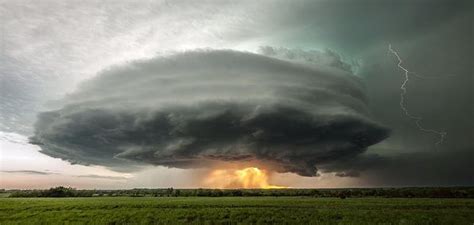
{"x": 403, "y": 88}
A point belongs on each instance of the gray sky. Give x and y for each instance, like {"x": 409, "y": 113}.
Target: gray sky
{"x": 322, "y": 67}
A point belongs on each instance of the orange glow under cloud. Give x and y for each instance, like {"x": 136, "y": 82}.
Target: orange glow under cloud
{"x": 250, "y": 177}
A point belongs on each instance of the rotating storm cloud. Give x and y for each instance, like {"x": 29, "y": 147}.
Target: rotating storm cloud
{"x": 207, "y": 107}
{"x": 171, "y": 93}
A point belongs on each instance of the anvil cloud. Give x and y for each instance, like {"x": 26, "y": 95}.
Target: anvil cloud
{"x": 196, "y": 108}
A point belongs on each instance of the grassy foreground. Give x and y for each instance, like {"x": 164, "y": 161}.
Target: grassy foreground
{"x": 235, "y": 210}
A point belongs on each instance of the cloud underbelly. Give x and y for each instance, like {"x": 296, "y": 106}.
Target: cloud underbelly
{"x": 196, "y": 108}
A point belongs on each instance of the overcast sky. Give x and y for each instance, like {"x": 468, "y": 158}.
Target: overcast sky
{"x": 122, "y": 94}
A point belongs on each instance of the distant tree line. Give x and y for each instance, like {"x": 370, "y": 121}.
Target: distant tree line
{"x": 410, "y": 192}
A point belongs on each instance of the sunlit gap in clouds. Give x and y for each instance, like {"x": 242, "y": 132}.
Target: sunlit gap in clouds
{"x": 249, "y": 177}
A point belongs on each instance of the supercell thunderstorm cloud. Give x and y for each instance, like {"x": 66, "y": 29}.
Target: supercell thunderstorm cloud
{"x": 197, "y": 108}
{"x": 208, "y": 93}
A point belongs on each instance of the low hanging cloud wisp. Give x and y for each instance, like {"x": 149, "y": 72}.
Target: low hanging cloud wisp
{"x": 199, "y": 108}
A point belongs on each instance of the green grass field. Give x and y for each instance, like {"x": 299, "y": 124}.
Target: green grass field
{"x": 235, "y": 210}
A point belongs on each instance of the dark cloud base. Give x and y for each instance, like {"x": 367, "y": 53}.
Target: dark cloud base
{"x": 196, "y": 108}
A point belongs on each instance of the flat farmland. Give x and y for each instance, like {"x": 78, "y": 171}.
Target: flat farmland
{"x": 235, "y": 210}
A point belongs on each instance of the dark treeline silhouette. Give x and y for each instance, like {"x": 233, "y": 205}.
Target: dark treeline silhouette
{"x": 409, "y": 192}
